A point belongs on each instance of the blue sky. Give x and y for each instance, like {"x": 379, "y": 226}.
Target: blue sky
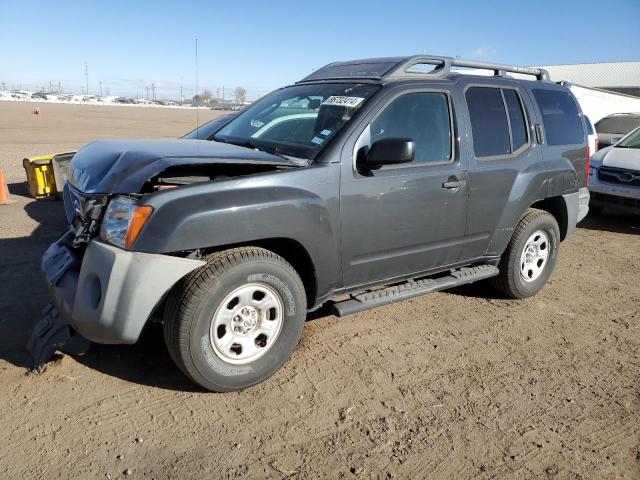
{"x": 264, "y": 44}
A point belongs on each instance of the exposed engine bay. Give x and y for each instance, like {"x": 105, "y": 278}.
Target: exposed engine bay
{"x": 84, "y": 211}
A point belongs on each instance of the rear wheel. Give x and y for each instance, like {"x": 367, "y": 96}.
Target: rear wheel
{"x": 530, "y": 257}
{"x": 236, "y": 320}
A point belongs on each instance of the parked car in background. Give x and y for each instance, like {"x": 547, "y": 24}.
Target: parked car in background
{"x": 614, "y": 126}
{"x": 614, "y": 177}
{"x": 592, "y": 136}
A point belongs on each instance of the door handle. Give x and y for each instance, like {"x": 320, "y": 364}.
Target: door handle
{"x": 454, "y": 183}
{"x": 538, "y": 129}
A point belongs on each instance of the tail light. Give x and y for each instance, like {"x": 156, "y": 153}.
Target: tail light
{"x": 588, "y": 168}
{"x": 597, "y": 144}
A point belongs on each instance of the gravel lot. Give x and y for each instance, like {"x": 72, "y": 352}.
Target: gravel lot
{"x": 461, "y": 384}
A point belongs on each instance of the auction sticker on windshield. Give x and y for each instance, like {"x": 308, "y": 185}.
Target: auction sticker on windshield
{"x": 343, "y": 101}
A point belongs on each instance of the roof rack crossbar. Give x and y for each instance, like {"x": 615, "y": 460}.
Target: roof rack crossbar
{"x": 443, "y": 66}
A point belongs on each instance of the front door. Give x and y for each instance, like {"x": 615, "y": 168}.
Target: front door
{"x": 404, "y": 219}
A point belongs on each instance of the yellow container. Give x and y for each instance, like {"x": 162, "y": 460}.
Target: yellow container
{"x": 40, "y": 176}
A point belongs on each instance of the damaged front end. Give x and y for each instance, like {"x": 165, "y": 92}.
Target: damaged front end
{"x": 84, "y": 213}
{"x": 63, "y": 258}
{"x": 100, "y": 286}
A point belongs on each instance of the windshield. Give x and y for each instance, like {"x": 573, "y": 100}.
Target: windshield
{"x": 631, "y": 141}
{"x": 206, "y": 130}
{"x": 297, "y": 121}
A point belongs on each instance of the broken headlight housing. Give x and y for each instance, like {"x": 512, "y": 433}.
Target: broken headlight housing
{"x": 123, "y": 221}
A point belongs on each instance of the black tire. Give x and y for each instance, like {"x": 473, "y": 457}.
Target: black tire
{"x": 193, "y": 302}
{"x": 510, "y": 281}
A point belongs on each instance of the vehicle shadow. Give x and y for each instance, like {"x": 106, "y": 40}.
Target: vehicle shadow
{"x": 22, "y": 291}
{"x": 612, "y": 221}
{"x": 481, "y": 289}
{"x": 23, "y": 294}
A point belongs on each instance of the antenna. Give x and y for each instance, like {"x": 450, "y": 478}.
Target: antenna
{"x": 86, "y": 76}
{"x": 197, "y": 120}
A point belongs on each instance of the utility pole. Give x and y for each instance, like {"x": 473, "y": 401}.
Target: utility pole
{"x": 59, "y": 87}
{"x": 147, "y": 87}
{"x": 86, "y": 76}
{"x": 153, "y": 90}
{"x": 223, "y": 94}
{"x": 100, "y": 82}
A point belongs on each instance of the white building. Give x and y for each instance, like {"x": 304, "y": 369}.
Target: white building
{"x": 621, "y": 77}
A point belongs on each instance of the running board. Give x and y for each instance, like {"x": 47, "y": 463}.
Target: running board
{"x": 413, "y": 288}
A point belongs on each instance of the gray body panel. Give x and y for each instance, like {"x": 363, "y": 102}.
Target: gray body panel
{"x": 299, "y": 204}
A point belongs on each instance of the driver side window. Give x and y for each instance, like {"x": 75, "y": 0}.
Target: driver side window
{"x": 423, "y": 117}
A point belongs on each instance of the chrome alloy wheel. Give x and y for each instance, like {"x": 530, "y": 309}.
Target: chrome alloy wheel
{"x": 534, "y": 256}
{"x": 247, "y": 323}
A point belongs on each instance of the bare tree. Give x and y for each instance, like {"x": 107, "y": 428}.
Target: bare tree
{"x": 202, "y": 98}
{"x": 241, "y": 94}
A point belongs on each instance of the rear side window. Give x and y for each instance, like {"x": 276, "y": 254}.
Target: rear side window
{"x": 561, "y": 118}
{"x": 516, "y": 119}
{"x": 497, "y": 121}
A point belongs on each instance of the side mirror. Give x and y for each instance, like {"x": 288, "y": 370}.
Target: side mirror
{"x": 615, "y": 140}
{"x": 390, "y": 151}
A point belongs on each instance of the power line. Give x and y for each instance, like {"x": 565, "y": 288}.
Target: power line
{"x": 86, "y": 76}
{"x": 197, "y": 107}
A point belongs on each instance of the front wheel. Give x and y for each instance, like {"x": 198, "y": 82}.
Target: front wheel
{"x": 530, "y": 257}
{"x": 235, "y": 321}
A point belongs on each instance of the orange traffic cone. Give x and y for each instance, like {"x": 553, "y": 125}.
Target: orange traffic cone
{"x": 4, "y": 190}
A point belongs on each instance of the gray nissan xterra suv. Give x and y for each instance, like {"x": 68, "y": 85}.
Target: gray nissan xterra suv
{"x": 365, "y": 183}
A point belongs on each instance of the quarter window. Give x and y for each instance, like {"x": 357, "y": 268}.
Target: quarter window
{"x": 498, "y": 121}
{"x": 423, "y": 117}
{"x": 516, "y": 119}
{"x": 562, "y": 122}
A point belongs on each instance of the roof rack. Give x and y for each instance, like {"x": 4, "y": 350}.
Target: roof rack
{"x": 394, "y": 68}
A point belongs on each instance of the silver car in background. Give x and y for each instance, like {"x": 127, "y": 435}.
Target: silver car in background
{"x": 614, "y": 177}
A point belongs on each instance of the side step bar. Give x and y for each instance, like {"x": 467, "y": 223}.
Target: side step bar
{"x": 413, "y": 288}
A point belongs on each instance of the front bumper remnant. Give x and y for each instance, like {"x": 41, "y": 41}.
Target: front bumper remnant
{"x": 103, "y": 293}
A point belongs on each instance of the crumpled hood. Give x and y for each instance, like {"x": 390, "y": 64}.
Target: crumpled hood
{"x": 123, "y": 166}
{"x": 625, "y": 158}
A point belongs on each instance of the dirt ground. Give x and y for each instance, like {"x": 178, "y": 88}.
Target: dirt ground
{"x": 455, "y": 385}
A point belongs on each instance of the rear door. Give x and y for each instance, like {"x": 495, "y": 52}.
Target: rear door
{"x": 404, "y": 219}
{"x": 501, "y": 143}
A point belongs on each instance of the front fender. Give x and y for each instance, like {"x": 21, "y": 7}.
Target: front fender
{"x": 300, "y": 205}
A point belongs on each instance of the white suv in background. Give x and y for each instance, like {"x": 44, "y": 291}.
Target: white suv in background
{"x": 614, "y": 176}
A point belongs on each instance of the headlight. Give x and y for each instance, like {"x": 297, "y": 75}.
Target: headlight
{"x": 123, "y": 221}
